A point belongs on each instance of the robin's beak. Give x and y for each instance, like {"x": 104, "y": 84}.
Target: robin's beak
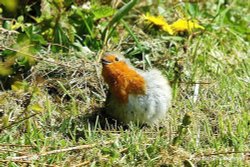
{"x": 105, "y": 62}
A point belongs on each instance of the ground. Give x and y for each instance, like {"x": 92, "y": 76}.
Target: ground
{"x": 54, "y": 118}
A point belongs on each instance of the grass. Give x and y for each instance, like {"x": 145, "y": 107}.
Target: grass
{"x": 54, "y": 121}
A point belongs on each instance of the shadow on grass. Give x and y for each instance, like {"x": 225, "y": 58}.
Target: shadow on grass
{"x": 84, "y": 125}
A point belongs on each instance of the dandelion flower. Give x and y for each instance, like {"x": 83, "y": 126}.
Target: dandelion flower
{"x": 182, "y": 25}
{"x": 160, "y": 22}
{"x": 168, "y": 29}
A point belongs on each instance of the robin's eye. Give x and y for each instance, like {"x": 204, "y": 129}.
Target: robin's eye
{"x": 116, "y": 59}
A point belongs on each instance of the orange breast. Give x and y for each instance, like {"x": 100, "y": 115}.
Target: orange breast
{"x": 123, "y": 80}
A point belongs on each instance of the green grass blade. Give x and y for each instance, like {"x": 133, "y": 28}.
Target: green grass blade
{"x": 116, "y": 18}
{"x": 132, "y": 34}
{"x": 122, "y": 12}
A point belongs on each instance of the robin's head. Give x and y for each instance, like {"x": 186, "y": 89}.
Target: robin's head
{"x": 110, "y": 58}
{"x": 121, "y": 77}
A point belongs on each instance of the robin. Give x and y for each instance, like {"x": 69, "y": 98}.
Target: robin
{"x": 134, "y": 96}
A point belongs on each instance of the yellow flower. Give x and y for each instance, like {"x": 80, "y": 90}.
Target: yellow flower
{"x": 185, "y": 25}
{"x": 159, "y": 21}
{"x": 168, "y": 29}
